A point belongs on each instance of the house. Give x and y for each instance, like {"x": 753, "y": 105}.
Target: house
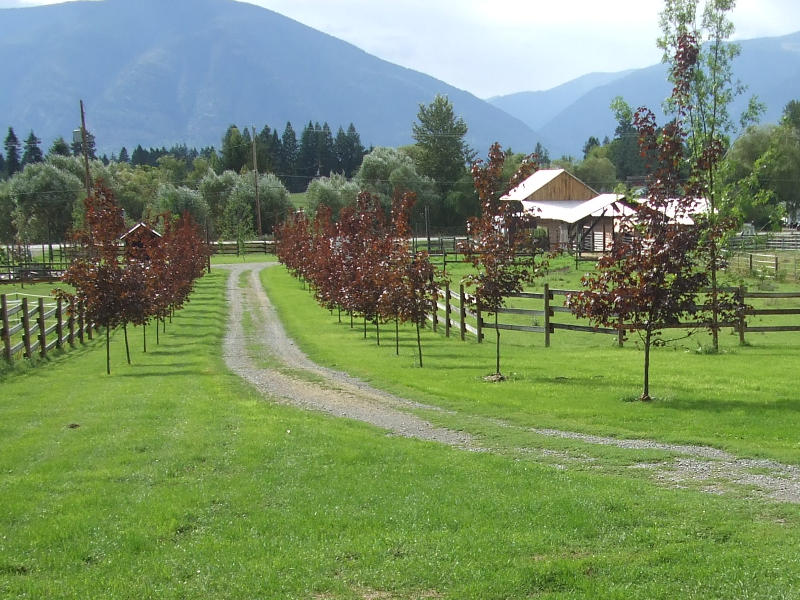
{"x": 575, "y": 215}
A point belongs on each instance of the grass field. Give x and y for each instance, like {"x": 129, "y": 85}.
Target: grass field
{"x": 180, "y": 482}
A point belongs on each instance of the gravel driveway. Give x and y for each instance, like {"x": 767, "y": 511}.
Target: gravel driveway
{"x": 270, "y": 361}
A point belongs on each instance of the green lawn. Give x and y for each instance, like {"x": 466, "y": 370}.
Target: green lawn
{"x": 744, "y": 400}
{"x": 180, "y": 482}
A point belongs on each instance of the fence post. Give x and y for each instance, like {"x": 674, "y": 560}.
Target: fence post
{"x": 462, "y": 313}
{"x": 742, "y": 322}
{"x": 447, "y": 309}
{"x": 42, "y": 330}
{"x": 751, "y": 262}
{"x": 80, "y": 322}
{"x": 436, "y": 312}
{"x": 6, "y": 327}
{"x": 26, "y": 328}
{"x": 59, "y": 325}
{"x": 776, "y": 266}
{"x": 71, "y": 324}
{"x": 548, "y": 295}
{"x": 480, "y": 320}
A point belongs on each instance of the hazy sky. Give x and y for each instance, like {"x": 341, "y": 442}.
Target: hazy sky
{"x": 494, "y": 47}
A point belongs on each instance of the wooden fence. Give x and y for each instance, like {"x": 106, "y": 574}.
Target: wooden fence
{"x": 462, "y": 313}
{"x": 33, "y": 327}
{"x": 249, "y": 247}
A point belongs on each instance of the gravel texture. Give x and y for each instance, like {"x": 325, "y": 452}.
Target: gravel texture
{"x": 337, "y": 393}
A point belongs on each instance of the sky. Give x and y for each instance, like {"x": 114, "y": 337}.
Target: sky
{"x": 498, "y": 47}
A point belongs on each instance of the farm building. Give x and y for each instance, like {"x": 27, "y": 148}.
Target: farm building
{"x": 139, "y": 237}
{"x": 576, "y": 216}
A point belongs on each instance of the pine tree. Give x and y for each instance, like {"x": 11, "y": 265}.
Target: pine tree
{"x": 59, "y": 148}
{"x": 77, "y": 146}
{"x": 123, "y": 155}
{"x": 308, "y": 163}
{"x": 32, "y": 151}
{"x": 140, "y": 156}
{"x": 349, "y": 151}
{"x": 236, "y": 151}
{"x": 326, "y": 151}
{"x": 288, "y": 158}
{"x": 12, "y": 153}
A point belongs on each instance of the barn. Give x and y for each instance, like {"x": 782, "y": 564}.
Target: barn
{"x": 576, "y": 217}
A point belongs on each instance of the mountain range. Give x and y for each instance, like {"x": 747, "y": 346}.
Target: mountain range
{"x": 157, "y": 72}
{"x": 567, "y": 115}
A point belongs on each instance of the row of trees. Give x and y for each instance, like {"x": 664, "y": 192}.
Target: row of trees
{"x": 150, "y": 280}
{"x": 361, "y": 263}
{"x": 295, "y": 161}
{"x": 42, "y": 202}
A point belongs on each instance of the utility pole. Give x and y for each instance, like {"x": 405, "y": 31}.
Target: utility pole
{"x": 85, "y": 152}
{"x": 255, "y": 178}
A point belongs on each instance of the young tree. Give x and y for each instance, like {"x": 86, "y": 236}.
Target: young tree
{"x": 98, "y": 275}
{"x": 501, "y": 246}
{"x": 700, "y": 59}
{"x": 653, "y": 275}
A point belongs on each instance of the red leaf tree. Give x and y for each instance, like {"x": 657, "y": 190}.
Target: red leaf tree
{"x": 652, "y": 277}
{"x": 501, "y": 247}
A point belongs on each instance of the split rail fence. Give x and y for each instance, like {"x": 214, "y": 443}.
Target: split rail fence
{"x": 34, "y": 326}
{"x": 461, "y": 313}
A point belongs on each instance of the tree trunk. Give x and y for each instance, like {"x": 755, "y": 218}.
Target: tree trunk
{"x": 714, "y": 298}
{"x": 497, "y": 334}
{"x": 647, "y": 339}
{"x": 127, "y": 348}
{"x": 365, "y": 326}
{"x": 158, "y": 341}
{"x": 378, "y": 331}
{"x": 108, "y": 350}
{"x": 397, "y": 336}
{"x": 419, "y": 346}
{"x": 144, "y": 337}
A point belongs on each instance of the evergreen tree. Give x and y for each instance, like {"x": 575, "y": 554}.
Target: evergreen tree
{"x": 2, "y": 166}
{"x": 442, "y": 153}
{"x": 123, "y": 155}
{"x": 288, "y": 158}
{"x": 624, "y": 150}
{"x": 307, "y": 164}
{"x": 32, "y": 152}
{"x": 11, "y": 145}
{"x": 543, "y": 154}
{"x": 139, "y": 156}
{"x": 326, "y": 151}
{"x": 235, "y": 149}
{"x": 265, "y": 150}
{"x": 59, "y": 148}
{"x": 77, "y": 146}
{"x": 349, "y": 151}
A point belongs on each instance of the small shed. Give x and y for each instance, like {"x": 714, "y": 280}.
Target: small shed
{"x": 139, "y": 237}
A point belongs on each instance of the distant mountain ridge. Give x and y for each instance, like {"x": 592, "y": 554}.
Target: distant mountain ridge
{"x": 770, "y": 67}
{"x": 160, "y": 72}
